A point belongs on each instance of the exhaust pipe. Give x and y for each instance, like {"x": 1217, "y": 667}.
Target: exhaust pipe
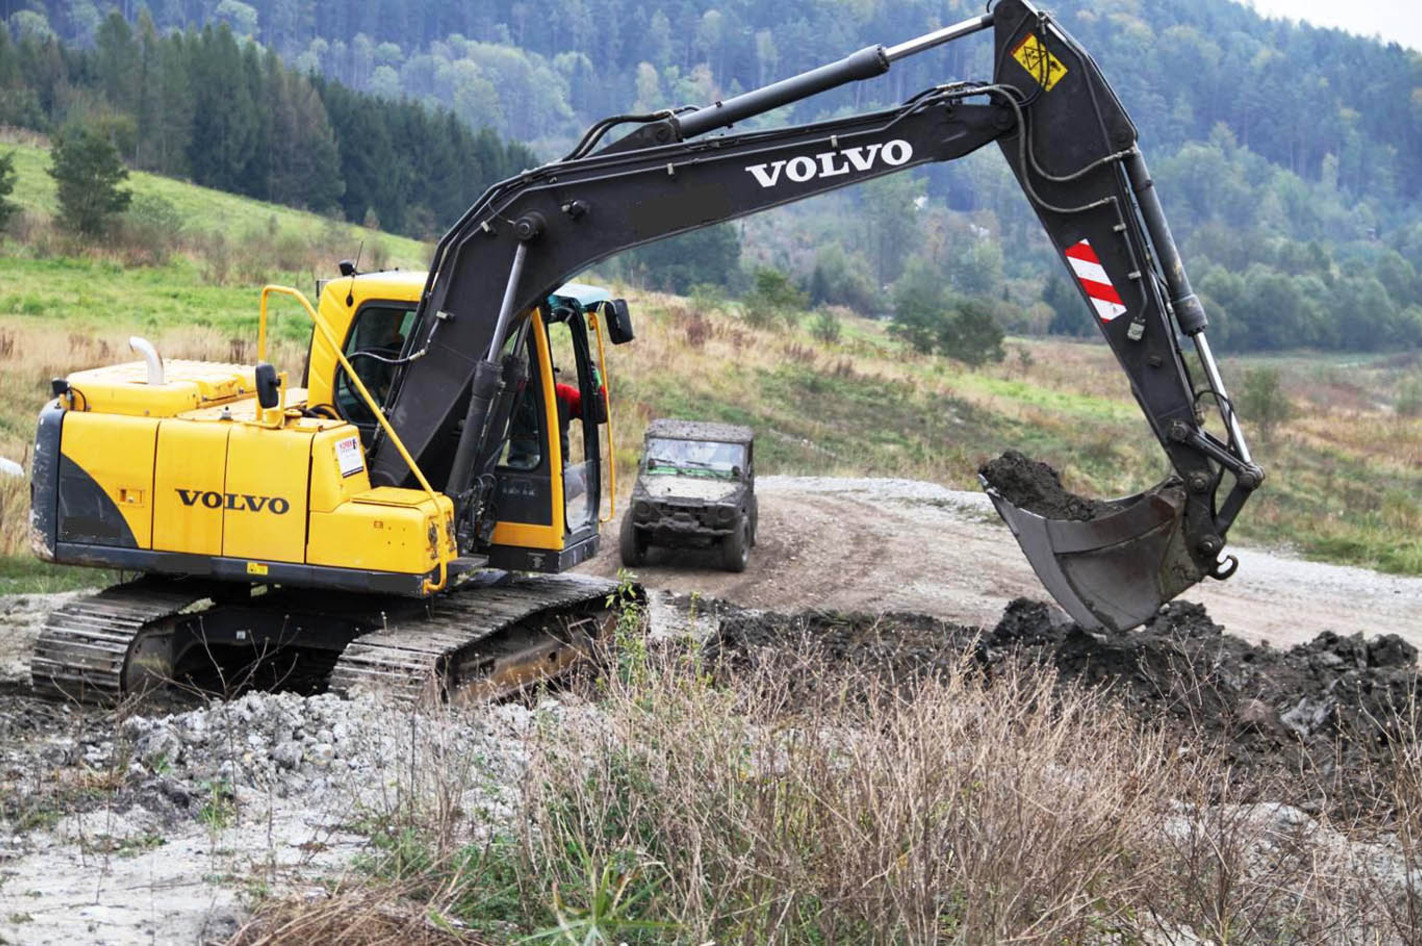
{"x": 1110, "y": 565}
{"x": 150, "y": 354}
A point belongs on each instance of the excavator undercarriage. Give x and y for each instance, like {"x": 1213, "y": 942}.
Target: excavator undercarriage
{"x": 490, "y": 637}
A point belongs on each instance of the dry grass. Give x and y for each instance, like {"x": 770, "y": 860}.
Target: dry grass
{"x": 669, "y": 808}
{"x": 357, "y": 915}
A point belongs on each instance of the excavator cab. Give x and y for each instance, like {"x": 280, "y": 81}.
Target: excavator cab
{"x": 547, "y": 479}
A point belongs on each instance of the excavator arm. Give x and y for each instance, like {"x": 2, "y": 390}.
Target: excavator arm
{"x": 1072, "y": 148}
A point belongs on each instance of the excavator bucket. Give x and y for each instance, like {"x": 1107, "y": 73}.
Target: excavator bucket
{"x": 1110, "y": 565}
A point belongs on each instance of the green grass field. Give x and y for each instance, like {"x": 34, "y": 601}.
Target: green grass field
{"x": 85, "y": 293}
{"x": 209, "y": 211}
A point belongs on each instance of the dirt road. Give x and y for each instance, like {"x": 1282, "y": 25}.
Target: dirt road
{"x": 880, "y": 545}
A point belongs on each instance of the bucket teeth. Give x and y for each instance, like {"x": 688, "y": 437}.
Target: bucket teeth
{"x": 1112, "y": 572}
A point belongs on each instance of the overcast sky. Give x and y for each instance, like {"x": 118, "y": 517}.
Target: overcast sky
{"x": 1394, "y": 20}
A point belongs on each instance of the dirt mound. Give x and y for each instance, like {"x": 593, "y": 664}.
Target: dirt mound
{"x": 1036, "y": 487}
{"x": 1329, "y": 708}
{"x": 902, "y": 647}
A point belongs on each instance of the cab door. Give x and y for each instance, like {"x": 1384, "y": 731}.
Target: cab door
{"x": 582, "y": 410}
{"x": 549, "y": 472}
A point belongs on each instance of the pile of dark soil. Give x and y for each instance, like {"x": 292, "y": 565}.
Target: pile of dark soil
{"x": 897, "y": 647}
{"x": 1328, "y": 711}
{"x": 1036, "y": 487}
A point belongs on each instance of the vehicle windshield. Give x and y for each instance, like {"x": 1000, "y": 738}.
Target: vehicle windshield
{"x": 694, "y": 457}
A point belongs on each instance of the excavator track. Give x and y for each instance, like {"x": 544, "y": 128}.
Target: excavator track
{"x": 83, "y": 651}
{"x": 484, "y": 639}
{"x": 483, "y": 642}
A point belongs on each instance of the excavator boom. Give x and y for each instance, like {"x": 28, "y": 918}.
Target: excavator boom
{"x": 1072, "y": 148}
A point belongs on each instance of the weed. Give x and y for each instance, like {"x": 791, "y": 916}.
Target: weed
{"x": 122, "y": 847}
{"x": 630, "y": 634}
{"x": 219, "y": 807}
{"x": 826, "y": 326}
{"x": 1263, "y": 402}
{"x": 612, "y": 894}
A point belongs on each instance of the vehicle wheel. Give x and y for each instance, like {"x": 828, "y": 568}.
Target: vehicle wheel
{"x": 632, "y": 543}
{"x": 735, "y": 548}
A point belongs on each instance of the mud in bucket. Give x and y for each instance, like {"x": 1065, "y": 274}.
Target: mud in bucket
{"x": 1110, "y": 565}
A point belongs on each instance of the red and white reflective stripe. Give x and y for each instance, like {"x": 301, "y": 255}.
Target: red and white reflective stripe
{"x": 1099, "y": 288}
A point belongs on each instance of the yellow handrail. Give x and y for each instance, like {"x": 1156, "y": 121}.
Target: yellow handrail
{"x": 607, "y": 405}
{"x": 429, "y": 587}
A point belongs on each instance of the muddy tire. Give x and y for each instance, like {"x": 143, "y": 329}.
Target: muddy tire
{"x": 631, "y": 543}
{"x": 735, "y": 548}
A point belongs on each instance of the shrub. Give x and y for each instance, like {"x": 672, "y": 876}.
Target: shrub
{"x": 972, "y": 335}
{"x": 151, "y": 229}
{"x": 379, "y": 256}
{"x": 708, "y": 298}
{"x": 773, "y": 297}
{"x": 1409, "y": 397}
{"x": 826, "y": 326}
{"x": 7, "y": 187}
{"x": 1262, "y": 401}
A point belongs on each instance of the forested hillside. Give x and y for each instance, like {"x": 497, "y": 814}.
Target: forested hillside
{"x": 1290, "y": 158}
{"x": 225, "y": 113}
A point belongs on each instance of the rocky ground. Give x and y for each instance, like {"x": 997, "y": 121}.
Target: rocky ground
{"x": 161, "y": 823}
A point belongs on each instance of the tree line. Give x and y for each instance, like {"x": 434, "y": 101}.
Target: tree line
{"x": 1292, "y": 93}
{"x": 223, "y": 112}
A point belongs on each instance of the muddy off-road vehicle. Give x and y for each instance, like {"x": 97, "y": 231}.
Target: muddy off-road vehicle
{"x": 695, "y": 489}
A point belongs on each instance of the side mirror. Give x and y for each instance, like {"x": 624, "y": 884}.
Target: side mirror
{"x": 619, "y": 322}
{"x": 268, "y": 386}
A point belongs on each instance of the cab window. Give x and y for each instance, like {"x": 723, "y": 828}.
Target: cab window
{"x": 523, "y": 447}
{"x": 377, "y": 335}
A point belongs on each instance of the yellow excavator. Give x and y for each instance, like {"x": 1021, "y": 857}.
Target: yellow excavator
{"x": 401, "y": 518}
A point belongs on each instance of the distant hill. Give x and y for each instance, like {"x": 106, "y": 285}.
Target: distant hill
{"x": 204, "y": 210}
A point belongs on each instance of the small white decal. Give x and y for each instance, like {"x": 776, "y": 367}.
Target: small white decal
{"x": 349, "y": 456}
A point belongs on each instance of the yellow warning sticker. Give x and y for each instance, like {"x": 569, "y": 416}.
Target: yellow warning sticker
{"x": 1033, "y": 55}
{"x": 256, "y": 568}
